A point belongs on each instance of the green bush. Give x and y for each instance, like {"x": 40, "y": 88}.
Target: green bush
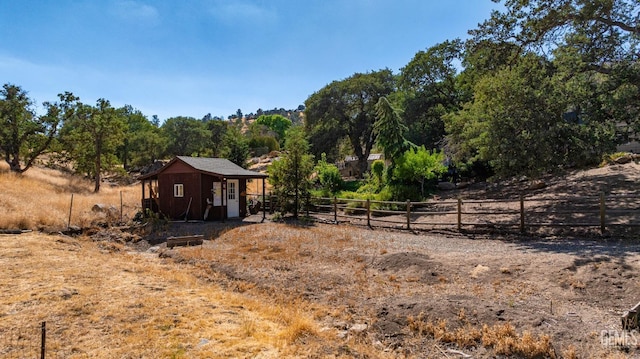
{"x": 268, "y": 142}
{"x": 328, "y": 175}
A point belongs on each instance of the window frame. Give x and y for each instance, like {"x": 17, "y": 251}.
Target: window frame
{"x": 178, "y": 190}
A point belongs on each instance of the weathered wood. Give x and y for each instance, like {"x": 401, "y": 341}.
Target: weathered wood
{"x": 186, "y": 215}
{"x": 409, "y": 214}
{"x": 602, "y": 213}
{"x": 181, "y": 241}
{"x": 521, "y": 214}
{"x": 459, "y": 213}
{"x": 630, "y": 318}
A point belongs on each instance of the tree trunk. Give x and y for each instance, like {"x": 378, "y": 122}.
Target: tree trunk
{"x": 14, "y": 164}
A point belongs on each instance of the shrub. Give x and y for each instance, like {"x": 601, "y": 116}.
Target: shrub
{"x": 328, "y": 175}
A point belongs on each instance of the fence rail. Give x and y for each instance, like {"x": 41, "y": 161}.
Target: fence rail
{"x": 603, "y": 213}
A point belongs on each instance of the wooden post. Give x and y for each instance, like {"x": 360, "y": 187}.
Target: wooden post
{"x": 521, "y": 214}
{"x": 43, "y": 340}
{"x": 186, "y": 216}
{"x": 121, "y": 206}
{"x": 408, "y": 214}
{"x": 368, "y": 204}
{"x": 70, "y": 208}
{"x": 630, "y": 318}
{"x": 335, "y": 209}
{"x": 264, "y": 202}
{"x": 459, "y": 214}
{"x": 223, "y": 191}
{"x": 308, "y": 204}
{"x": 143, "y": 195}
{"x": 602, "y": 213}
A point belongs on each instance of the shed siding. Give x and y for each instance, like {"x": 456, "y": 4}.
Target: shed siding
{"x": 178, "y": 167}
{"x": 175, "y": 207}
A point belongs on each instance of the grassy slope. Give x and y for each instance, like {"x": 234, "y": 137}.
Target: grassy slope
{"x": 40, "y": 199}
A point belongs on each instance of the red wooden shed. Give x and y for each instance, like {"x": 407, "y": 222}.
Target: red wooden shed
{"x": 201, "y": 188}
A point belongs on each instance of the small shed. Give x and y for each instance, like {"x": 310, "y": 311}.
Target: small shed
{"x": 198, "y": 188}
{"x": 349, "y": 166}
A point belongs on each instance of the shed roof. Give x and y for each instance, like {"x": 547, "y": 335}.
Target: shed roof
{"x": 214, "y": 166}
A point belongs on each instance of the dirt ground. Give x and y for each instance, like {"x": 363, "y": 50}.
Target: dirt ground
{"x": 444, "y": 293}
{"x": 389, "y": 286}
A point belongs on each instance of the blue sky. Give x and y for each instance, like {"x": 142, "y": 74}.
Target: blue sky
{"x": 193, "y": 57}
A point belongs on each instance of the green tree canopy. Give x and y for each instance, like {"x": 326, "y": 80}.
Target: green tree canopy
{"x": 24, "y": 135}
{"x": 290, "y": 175}
{"x": 390, "y": 130}
{"x": 236, "y": 146}
{"x": 516, "y": 123}
{"x": 276, "y": 123}
{"x": 430, "y": 89}
{"x": 142, "y": 142}
{"x": 91, "y": 137}
{"x": 328, "y": 175}
{"x": 346, "y": 109}
{"x": 217, "y": 129}
{"x": 593, "y": 43}
{"x": 185, "y": 136}
{"x": 417, "y": 165}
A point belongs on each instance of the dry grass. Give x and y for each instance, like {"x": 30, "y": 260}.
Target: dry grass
{"x": 502, "y": 338}
{"x": 41, "y": 198}
{"x": 135, "y": 305}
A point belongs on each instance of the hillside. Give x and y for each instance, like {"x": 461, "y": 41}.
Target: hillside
{"x": 40, "y": 199}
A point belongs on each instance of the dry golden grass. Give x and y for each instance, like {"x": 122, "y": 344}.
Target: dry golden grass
{"x": 503, "y": 338}
{"x": 41, "y": 198}
{"x": 137, "y": 305}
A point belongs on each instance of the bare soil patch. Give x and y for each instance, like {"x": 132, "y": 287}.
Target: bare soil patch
{"x": 421, "y": 295}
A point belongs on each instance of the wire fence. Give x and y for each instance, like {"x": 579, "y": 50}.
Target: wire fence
{"x": 35, "y": 341}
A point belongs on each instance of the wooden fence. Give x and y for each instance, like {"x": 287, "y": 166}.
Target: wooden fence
{"x": 603, "y": 213}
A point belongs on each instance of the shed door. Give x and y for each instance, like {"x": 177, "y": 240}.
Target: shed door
{"x": 233, "y": 199}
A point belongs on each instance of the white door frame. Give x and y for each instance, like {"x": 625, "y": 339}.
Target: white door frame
{"x": 233, "y": 198}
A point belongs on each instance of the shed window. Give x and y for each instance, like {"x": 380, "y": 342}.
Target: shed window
{"x": 231, "y": 191}
{"x": 178, "y": 190}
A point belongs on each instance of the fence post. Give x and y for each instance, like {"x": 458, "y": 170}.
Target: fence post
{"x": 368, "y": 213}
{"x": 70, "y": 208}
{"x": 408, "y": 214}
{"x": 521, "y": 214}
{"x": 43, "y": 340}
{"x": 335, "y": 209}
{"x": 459, "y": 214}
{"x": 602, "y": 213}
{"x": 121, "y": 206}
